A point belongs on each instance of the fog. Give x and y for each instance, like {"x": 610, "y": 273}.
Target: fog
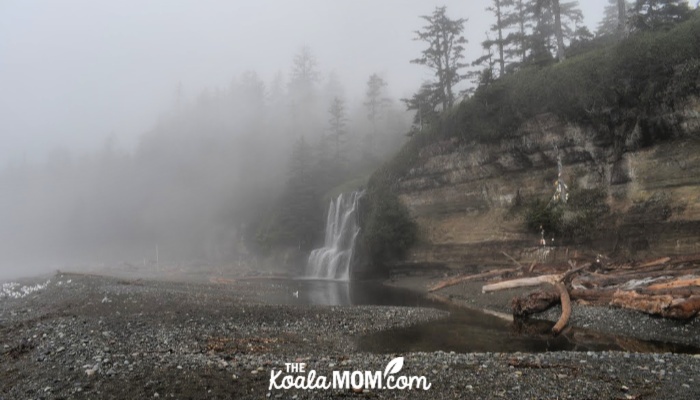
{"x": 129, "y": 126}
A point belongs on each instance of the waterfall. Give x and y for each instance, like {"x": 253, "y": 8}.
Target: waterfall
{"x": 332, "y": 261}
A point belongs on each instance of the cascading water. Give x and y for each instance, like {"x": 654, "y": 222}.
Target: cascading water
{"x": 332, "y": 261}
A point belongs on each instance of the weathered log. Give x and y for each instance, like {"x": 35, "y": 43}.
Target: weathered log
{"x": 613, "y": 279}
{"x": 684, "y": 292}
{"x": 522, "y": 282}
{"x": 662, "y": 305}
{"x": 678, "y": 283}
{"x": 534, "y": 302}
{"x": 650, "y": 304}
{"x": 565, "y": 309}
{"x": 465, "y": 277}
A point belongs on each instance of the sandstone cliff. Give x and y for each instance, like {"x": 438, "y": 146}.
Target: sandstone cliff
{"x": 465, "y": 196}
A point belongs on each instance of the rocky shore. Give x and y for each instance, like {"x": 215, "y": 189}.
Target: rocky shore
{"x": 89, "y": 336}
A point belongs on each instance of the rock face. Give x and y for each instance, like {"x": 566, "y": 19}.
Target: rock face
{"x": 465, "y": 196}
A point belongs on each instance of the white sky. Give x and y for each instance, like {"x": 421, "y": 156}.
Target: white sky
{"x": 73, "y": 72}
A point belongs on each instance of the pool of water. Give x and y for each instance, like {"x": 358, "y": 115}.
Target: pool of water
{"x": 464, "y": 330}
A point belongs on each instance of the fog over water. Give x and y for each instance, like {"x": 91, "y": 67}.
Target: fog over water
{"x": 134, "y": 124}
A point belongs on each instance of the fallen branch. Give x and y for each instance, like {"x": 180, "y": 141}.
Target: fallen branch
{"x": 532, "y": 266}
{"x": 565, "y": 309}
{"x": 464, "y": 278}
{"x": 512, "y": 259}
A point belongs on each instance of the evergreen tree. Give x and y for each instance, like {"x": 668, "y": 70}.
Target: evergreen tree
{"x": 300, "y": 220}
{"x": 485, "y": 74}
{"x": 302, "y": 92}
{"x": 498, "y": 8}
{"x": 375, "y": 100}
{"x": 337, "y": 125}
{"x": 304, "y": 69}
{"x": 650, "y": 15}
{"x": 518, "y": 19}
{"x": 444, "y": 53}
{"x": 425, "y": 103}
{"x": 614, "y": 20}
{"x": 554, "y": 22}
{"x": 558, "y": 33}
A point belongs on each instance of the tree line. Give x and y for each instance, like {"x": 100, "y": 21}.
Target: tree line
{"x": 523, "y": 33}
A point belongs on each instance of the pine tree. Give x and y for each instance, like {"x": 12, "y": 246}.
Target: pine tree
{"x": 375, "y": 100}
{"x": 300, "y": 219}
{"x": 302, "y": 93}
{"x": 649, "y": 15}
{"x": 486, "y": 62}
{"x": 614, "y": 20}
{"x": 424, "y": 103}
{"x": 554, "y": 23}
{"x": 337, "y": 125}
{"x": 444, "y": 53}
{"x": 498, "y": 8}
{"x": 520, "y": 21}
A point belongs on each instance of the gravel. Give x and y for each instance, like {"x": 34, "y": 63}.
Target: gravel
{"x": 114, "y": 338}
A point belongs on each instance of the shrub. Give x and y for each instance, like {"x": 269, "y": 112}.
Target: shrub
{"x": 387, "y": 228}
{"x": 574, "y": 222}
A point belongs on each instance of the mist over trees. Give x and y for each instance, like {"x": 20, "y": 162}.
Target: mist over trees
{"x": 246, "y": 168}
{"x": 223, "y": 175}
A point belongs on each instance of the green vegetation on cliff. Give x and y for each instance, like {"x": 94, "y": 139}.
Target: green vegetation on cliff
{"x": 613, "y": 83}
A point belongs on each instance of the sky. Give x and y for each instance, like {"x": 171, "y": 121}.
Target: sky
{"x": 74, "y": 73}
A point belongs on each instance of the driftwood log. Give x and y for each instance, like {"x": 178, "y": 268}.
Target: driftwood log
{"x": 664, "y": 305}
{"x": 522, "y": 282}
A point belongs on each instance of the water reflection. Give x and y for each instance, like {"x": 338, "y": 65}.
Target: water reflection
{"x": 341, "y": 293}
{"x": 326, "y": 293}
{"x": 472, "y": 331}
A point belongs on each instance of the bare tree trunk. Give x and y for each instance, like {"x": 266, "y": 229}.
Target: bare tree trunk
{"x": 621, "y": 16}
{"x": 521, "y": 15}
{"x": 501, "y": 60}
{"x": 558, "y": 31}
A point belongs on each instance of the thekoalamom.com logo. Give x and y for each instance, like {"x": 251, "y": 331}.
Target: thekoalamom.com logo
{"x": 294, "y": 378}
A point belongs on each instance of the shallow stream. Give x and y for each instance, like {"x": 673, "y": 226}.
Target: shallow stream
{"x": 464, "y": 330}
